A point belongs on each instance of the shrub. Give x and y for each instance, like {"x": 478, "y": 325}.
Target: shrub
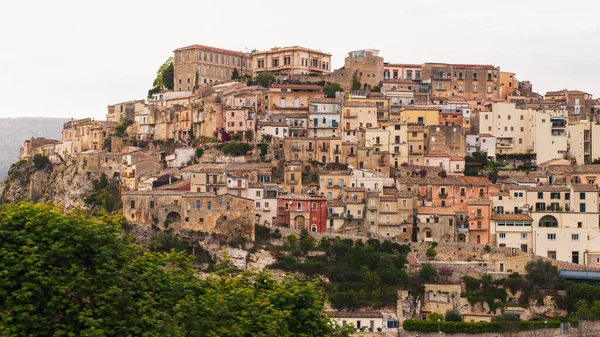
{"x": 236, "y": 137}
{"x": 476, "y": 327}
{"x": 428, "y": 272}
{"x": 431, "y": 253}
{"x": 453, "y": 316}
{"x": 40, "y": 162}
{"x": 434, "y": 316}
{"x": 236, "y": 149}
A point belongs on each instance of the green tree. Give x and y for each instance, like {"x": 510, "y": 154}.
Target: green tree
{"x": 236, "y": 149}
{"x": 235, "y": 74}
{"x": 355, "y": 81}
{"x": 428, "y": 272}
{"x": 453, "y": 316}
{"x": 543, "y": 273}
{"x": 265, "y": 79}
{"x": 431, "y": 253}
{"x": 331, "y": 88}
{"x": 199, "y": 152}
{"x": 78, "y": 275}
{"x": 165, "y": 75}
{"x": 249, "y": 135}
{"x": 434, "y": 316}
{"x": 40, "y": 161}
{"x": 236, "y": 137}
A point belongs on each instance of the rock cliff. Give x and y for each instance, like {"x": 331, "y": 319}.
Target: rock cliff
{"x": 61, "y": 184}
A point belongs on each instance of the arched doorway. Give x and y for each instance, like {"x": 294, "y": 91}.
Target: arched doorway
{"x": 299, "y": 222}
{"x": 548, "y": 221}
{"x": 172, "y": 218}
{"x": 461, "y": 238}
{"x": 313, "y": 228}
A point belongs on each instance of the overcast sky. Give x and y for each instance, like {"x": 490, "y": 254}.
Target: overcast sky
{"x": 73, "y": 58}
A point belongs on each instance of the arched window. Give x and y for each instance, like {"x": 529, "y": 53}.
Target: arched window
{"x": 313, "y": 227}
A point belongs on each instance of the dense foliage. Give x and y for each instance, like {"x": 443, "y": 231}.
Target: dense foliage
{"x": 331, "y": 88}
{"x": 360, "y": 274}
{"x": 104, "y": 195}
{"x": 476, "y": 327}
{"x": 40, "y": 162}
{"x": 165, "y": 78}
{"x": 236, "y": 149}
{"x": 77, "y": 275}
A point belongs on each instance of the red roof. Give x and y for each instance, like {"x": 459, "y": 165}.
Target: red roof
{"x": 199, "y": 46}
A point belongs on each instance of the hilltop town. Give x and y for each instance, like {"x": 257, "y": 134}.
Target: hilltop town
{"x": 451, "y": 154}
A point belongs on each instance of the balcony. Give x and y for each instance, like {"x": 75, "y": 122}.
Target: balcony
{"x": 216, "y": 182}
{"x": 310, "y": 149}
{"x": 351, "y": 154}
{"x": 295, "y": 149}
{"x": 443, "y": 195}
{"x": 324, "y": 148}
{"x": 266, "y": 209}
{"x": 505, "y": 144}
{"x": 337, "y": 151}
{"x": 478, "y": 216}
{"x": 351, "y": 114}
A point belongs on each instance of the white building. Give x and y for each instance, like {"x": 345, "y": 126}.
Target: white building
{"x": 265, "y": 201}
{"x": 324, "y": 118}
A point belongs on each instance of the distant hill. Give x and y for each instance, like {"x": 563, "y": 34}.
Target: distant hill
{"x": 14, "y": 131}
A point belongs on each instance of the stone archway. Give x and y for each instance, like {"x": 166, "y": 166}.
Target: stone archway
{"x": 299, "y": 222}
{"x": 548, "y": 221}
{"x": 461, "y": 238}
{"x": 172, "y": 218}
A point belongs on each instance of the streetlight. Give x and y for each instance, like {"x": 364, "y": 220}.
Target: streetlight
{"x": 439, "y": 331}
{"x": 545, "y": 324}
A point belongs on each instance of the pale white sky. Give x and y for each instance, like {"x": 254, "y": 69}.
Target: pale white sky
{"x": 72, "y": 58}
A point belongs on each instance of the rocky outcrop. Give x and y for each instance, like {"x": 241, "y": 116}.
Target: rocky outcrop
{"x": 61, "y": 184}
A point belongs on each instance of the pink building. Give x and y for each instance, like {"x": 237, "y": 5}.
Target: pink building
{"x": 239, "y": 119}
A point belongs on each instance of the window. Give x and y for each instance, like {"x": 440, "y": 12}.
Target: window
{"x": 579, "y": 224}
{"x": 198, "y": 204}
{"x": 474, "y": 88}
{"x": 582, "y": 207}
{"x": 502, "y": 235}
{"x": 132, "y": 203}
{"x": 555, "y": 195}
{"x": 228, "y": 206}
{"x": 575, "y": 237}
{"x": 551, "y": 237}
{"x": 540, "y": 195}
{"x": 428, "y": 234}
{"x": 258, "y": 194}
{"x": 314, "y": 206}
{"x": 523, "y": 236}
{"x": 582, "y": 195}
{"x": 209, "y": 205}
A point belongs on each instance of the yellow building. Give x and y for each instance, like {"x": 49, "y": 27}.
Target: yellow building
{"x": 420, "y": 114}
{"x": 331, "y": 183}
{"x": 508, "y": 83}
{"x": 291, "y": 61}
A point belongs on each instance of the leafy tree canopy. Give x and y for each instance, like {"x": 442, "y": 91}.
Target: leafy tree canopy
{"x": 78, "y": 275}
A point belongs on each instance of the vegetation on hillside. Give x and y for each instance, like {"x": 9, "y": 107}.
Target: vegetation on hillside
{"x": 165, "y": 77}
{"x": 78, "y": 275}
{"x": 361, "y": 274}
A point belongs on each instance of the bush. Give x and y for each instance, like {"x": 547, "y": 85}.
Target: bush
{"x": 236, "y": 149}
{"x": 434, "y": 316}
{"x": 428, "y": 272}
{"x": 236, "y": 137}
{"x": 431, "y": 253}
{"x": 476, "y": 327}
{"x": 453, "y": 316}
{"x": 40, "y": 162}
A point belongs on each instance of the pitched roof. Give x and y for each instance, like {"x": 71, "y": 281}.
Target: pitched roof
{"x": 435, "y": 210}
{"x": 297, "y": 86}
{"x": 585, "y": 188}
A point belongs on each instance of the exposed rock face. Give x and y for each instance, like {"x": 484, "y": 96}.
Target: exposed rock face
{"x": 62, "y": 185}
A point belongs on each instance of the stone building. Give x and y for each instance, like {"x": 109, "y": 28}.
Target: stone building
{"x": 325, "y": 150}
{"x": 31, "y": 145}
{"x": 472, "y": 81}
{"x": 290, "y": 61}
{"x": 85, "y": 134}
{"x": 209, "y": 65}
{"x": 184, "y": 210}
{"x": 365, "y": 65}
